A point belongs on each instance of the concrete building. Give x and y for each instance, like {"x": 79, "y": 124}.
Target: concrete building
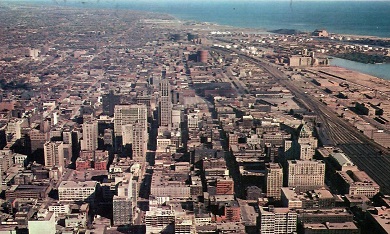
{"x": 158, "y": 220}
{"x": 139, "y": 142}
{"x": 122, "y": 208}
{"x": 277, "y": 220}
{"x": 38, "y": 139}
{"x": 42, "y": 223}
{"x": 5, "y": 160}
{"x": 71, "y": 191}
{"x": 165, "y": 104}
{"x": 300, "y": 61}
{"x": 20, "y": 159}
{"x": 60, "y": 209}
{"x": 274, "y": 180}
{"x": 192, "y": 120}
{"x": 176, "y": 118}
{"x": 305, "y": 175}
{"x": 307, "y": 143}
{"x": 125, "y": 200}
{"x": 334, "y": 228}
{"x": 357, "y": 183}
{"x": 202, "y": 56}
{"x": 184, "y": 225}
{"x": 109, "y": 101}
{"x": 129, "y": 114}
{"x": 225, "y": 186}
{"x": 165, "y": 186}
{"x": 54, "y": 154}
{"x": 379, "y": 217}
{"x": 90, "y": 136}
{"x": 342, "y": 162}
{"x": 316, "y": 215}
{"x": 319, "y": 198}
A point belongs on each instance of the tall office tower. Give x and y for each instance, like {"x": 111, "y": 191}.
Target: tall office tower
{"x": 68, "y": 146}
{"x": 307, "y": 143}
{"x": 147, "y": 100}
{"x": 306, "y": 175}
{"x": 122, "y": 208}
{"x": 109, "y": 101}
{"x": 6, "y": 160}
{"x": 129, "y": 114}
{"x": 165, "y": 104}
{"x": 54, "y": 154}
{"x": 139, "y": 142}
{"x": 90, "y": 136}
{"x": 123, "y": 205}
{"x": 277, "y": 220}
{"x": 202, "y": 56}
{"x": 274, "y": 180}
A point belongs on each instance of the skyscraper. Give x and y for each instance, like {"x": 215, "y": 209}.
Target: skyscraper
{"x": 165, "y": 110}
{"x": 109, "y": 101}
{"x": 274, "y": 180}
{"x": 307, "y": 143}
{"x": 54, "y": 154}
{"x": 305, "y": 175}
{"x": 129, "y": 114}
{"x": 90, "y": 136}
{"x": 123, "y": 205}
{"x": 139, "y": 142}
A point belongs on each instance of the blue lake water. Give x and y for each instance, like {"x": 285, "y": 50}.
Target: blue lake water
{"x": 347, "y": 17}
{"x": 378, "y": 70}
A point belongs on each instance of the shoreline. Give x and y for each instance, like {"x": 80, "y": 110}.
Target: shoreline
{"x": 95, "y": 5}
{"x": 166, "y": 16}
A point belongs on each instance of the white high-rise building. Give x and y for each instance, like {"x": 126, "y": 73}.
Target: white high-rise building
{"x": 71, "y": 191}
{"x": 192, "y": 120}
{"x": 43, "y": 222}
{"x": 307, "y": 143}
{"x": 305, "y": 175}
{"x": 90, "y": 136}
{"x": 274, "y": 180}
{"x": 129, "y": 114}
{"x": 277, "y": 220}
{"x": 176, "y": 119}
{"x": 54, "y": 154}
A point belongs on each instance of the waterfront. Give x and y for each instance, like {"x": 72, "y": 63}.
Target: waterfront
{"x": 378, "y": 70}
{"x": 342, "y": 17}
